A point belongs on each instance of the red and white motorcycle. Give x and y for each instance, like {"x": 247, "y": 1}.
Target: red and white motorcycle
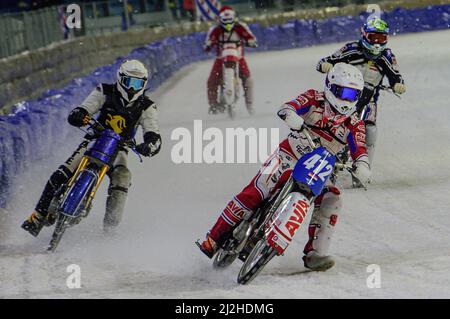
{"x": 229, "y": 89}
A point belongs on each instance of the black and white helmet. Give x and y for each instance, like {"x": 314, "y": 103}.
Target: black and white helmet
{"x": 132, "y": 78}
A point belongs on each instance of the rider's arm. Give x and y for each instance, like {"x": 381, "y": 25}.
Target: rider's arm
{"x": 150, "y": 129}
{"x": 291, "y": 112}
{"x": 81, "y": 115}
{"x": 246, "y": 34}
{"x": 211, "y": 38}
{"x": 347, "y": 53}
{"x": 390, "y": 67}
{"x": 356, "y": 139}
{"x": 93, "y": 103}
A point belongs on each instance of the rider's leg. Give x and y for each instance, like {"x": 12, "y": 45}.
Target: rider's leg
{"x": 120, "y": 177}
{"x": 270, "y": 177}
{"x": 247, "y": 83}
{"x": 321, "y": 229}
{"x": 371, "y": 139}
{"x": 371, "y": 130}
{"x": 213, "y": 84}
{"x": 38, "y": 218}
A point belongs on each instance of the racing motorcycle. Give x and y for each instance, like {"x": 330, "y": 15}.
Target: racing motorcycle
{"x": 269, "y": 231}
{"x": 73, "y": 201}
{"x": 229, "y": 89}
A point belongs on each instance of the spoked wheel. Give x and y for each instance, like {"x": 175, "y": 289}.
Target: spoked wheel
{"x": 224, "y": 258}
{"x": 60, "y": 228}
{"x": 255, "y": 262}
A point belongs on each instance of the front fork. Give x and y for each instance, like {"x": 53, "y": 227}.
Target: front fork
{"x": 83, "y": 164}
{"x": 286, "y": 217}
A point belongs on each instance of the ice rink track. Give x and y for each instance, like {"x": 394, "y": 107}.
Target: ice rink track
{"x": 401, "y": 223}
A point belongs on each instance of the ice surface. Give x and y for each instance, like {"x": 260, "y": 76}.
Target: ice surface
{"x": 401, "y": 223}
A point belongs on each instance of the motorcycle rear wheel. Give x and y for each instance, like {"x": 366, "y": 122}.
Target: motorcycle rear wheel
{"x": 261, "y": 254}
{"x": 224, "y": 259}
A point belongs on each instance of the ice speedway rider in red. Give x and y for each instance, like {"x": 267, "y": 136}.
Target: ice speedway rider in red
{"x": 122, "y": 107}
{"x": 229, "y": 29}
{"x": 330, "y": 117}
{"x": 375, "y": 61}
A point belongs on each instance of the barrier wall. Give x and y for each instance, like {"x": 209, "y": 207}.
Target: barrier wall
{"x": 32, "y": 131}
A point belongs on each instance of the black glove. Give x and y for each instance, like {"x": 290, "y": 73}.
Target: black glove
{"x": 143, "y": 149}
{"x": 151, "y": 145}
{"x": 78, "y": 117}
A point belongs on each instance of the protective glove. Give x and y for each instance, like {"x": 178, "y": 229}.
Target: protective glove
{"x": 292, "y": 119}
{"x": 252, "y": 43}
{"x": 361, "y": 170}
{"x": 207, "y": 46}
{"x": 399, "y": 88}
{"x": 151, "y": 145}
{"x": 326, "y": 66}
{"x": 143, "y": 149}
{"x": 79, "y": 117}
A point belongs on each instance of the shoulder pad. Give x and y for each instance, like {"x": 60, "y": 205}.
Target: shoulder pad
{"x": 387, "y": 53}
{"x": 313, "y": 95}
{"x": 147, "y": 102}
{"x": 353, "y": 45}
{"x": 106, "y": 88}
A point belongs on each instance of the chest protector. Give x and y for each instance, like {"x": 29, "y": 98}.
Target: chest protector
{"x": 121, "y": 119}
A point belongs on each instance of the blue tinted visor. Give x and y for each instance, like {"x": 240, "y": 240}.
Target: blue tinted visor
{"x": 133, "y": 83}
{"x": 345, "y": 93}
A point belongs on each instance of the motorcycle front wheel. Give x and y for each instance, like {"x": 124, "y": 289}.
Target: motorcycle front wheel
{"x": 61, "y": 226}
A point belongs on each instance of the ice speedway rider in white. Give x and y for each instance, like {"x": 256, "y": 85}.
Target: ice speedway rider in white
{"x": 331, "y": 118}
{"x": 122, "y": 107}
{"x": 375, "y": 61}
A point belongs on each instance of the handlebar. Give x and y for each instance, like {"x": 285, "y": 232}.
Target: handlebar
{"x": 98, "y": 128}
{"x": 390, "y": 90}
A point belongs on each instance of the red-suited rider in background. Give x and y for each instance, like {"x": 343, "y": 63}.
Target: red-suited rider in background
{"x": 229, "y": 29}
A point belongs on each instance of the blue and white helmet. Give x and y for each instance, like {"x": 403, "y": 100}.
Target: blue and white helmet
{"x": 375, "y": 33}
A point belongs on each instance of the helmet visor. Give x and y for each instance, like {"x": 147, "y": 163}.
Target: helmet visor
{"x": 377, "y": 38}
{"x": 345, "y": 93}
{"x": 132, "y": 83}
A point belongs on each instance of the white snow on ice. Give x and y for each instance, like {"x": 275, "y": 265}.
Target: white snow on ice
{"x": 401, "y": 223}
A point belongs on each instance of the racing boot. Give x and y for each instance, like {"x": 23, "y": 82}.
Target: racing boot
{"x": 312, "y": 260}
{"x": 209, "y": 246}
{"x": 34, "y": 223}
{"x": 216, "y": 108}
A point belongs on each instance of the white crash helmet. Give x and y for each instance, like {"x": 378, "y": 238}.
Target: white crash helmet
{"x": 132, "y": 78}
{"x": 343, "y": 86}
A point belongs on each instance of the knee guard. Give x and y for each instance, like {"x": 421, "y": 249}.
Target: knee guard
{"x": 117, "y": 195}
{"x": 56, "y": 180}
{"x": 371, "y": 139}
{"x": 323, "y": 222}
